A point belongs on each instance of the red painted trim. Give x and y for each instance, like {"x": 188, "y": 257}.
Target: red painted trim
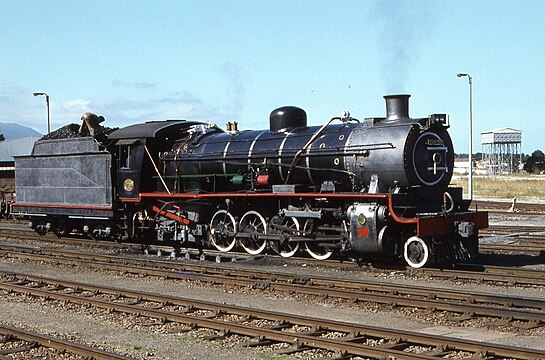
{"x": 399, "y": 219}
{"x": 131, "y": 200}
{"x": 171, "y": 216}
{"x": 263, "y": 195}
{"x": 443, "y": 225}
{"x": 49, "y": 206}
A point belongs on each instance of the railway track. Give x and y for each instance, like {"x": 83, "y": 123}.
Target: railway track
{"x": 19, "y": 343}
{"x": 521, "y": 239}
{"x": 482, "y": 273}
{"x": 525, "y": 239}
{"x": 462, "y": 304}
{"x": 486, "y": 274}
{"x": 515, "y": 248}
{"x": 512, "y": 230}
{"x": 262, "y": 327}
{"x": 22, "y": 233}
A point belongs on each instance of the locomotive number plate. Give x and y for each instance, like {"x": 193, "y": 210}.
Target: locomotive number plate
{"x": 128, "y": 185}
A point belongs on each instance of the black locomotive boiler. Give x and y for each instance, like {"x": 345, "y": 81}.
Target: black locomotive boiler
{"x": 375, "y": 188}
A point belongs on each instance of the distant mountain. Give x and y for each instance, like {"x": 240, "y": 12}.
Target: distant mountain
{"x": 13, "y": 131}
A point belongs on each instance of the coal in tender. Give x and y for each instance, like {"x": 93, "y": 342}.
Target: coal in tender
{"x": 65, "y": 132}
{"x": 72, "y": 131}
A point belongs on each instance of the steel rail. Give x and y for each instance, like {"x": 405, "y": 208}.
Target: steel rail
{"x": 504, "y": 271}
{"x": 396, "y": 343}
{"x": 513, "y": 229}
{"x": 517, "y": 248}
{"x": 53, "y": 343}
{"x": 525, "y": 239}
{"x": 485, "y": 273}
{"x": 26, "y": 233}
{"x": 467, "y": 303}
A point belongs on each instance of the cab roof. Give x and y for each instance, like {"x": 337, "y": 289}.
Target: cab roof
{"x": 153, "y": 129}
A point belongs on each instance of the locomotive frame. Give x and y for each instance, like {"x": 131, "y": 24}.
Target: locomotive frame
{"x": 378, "y": 188}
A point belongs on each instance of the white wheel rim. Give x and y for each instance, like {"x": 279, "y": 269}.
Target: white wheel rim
{"x": 295, "y": 248}
{"x": 223, "y": 214}
{"x": 309, "y": 247}
{"x": 261, "y": 247}
{"x": 425, "y": 255}
{"x": 287, "y": 254}
{"x": 316, "y": 255}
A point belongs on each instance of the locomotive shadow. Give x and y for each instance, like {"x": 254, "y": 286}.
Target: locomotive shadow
{"x": 478, "y": 264}
{"x": 510, "y": 259}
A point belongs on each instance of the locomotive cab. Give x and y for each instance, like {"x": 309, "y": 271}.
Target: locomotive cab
{"x": 130, "y": 155}
{"x": 139, "y": 148}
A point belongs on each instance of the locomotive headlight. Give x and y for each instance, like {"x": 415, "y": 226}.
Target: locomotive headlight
{"x": 437, "y": 119}
{"x": 362, "y": 219}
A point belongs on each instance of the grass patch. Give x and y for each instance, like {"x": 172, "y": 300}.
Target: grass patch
{"x": 191, "y": 339}
{"x": 141, "y": 348}
{"x": 522, "y": 186}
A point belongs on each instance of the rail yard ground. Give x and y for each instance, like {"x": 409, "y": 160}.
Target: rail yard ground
{"x": 128, "y": 335}
{"x": 142, "y": 339}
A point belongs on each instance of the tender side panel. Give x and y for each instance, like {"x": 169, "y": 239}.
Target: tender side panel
{"x": 73, "y": 184}
{"x": 65, "y": 146}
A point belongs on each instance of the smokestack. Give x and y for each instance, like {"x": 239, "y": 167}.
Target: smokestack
{"x": 397, "y": 107}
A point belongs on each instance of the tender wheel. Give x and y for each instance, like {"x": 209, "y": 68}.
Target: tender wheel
{"x": 254, "y": 224}
{"x": 97, "y": 232}
{"x": 287, "y": 249}
{"x": 41, "y": 230}
{"x": 222, "y": 228}
{"x": 416, "y": 252}
{"x": 316, "y": 251}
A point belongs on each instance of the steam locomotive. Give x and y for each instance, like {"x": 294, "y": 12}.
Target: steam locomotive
{"x": 377, "y": 188}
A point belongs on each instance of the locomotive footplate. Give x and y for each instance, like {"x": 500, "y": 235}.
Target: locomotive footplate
{"x": 450, "y": 223}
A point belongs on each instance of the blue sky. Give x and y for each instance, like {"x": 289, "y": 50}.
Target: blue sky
{"x": 221, "y": 61}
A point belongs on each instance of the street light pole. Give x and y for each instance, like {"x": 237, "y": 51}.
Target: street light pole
{"x": 48, "y": 112}
{"x": 470, "y": 174}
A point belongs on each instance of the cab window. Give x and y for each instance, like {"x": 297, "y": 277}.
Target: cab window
{"x": 125, "y": 156}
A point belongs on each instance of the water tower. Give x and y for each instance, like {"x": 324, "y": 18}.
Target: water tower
{"x": 501, "y": 150}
